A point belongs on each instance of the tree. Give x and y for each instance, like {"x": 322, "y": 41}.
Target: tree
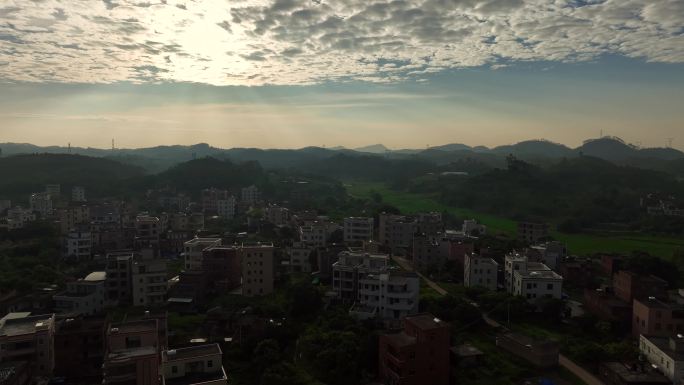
{"x": 266, "y": 354}
{"x": 283, "y": 374}
{"x": 331, "y": 356}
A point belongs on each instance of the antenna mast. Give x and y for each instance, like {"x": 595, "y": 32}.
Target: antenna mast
{"x": 669, "y": 142}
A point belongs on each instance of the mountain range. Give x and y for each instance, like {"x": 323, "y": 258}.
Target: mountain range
{"x": 159, "y": 158}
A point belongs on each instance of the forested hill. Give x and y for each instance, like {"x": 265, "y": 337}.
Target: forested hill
{"x": 23, "y": 174}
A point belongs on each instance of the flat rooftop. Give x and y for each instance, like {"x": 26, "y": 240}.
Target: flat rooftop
{"x": 400, "y": 339}
{"x": 197, "y": 378}
{"x": 16, "y": 324}
{"x": 663, "y": 343}
{"x": 124, "y": 355}
{"x": 191, "y": 352}
{"x": 426, "y": 321}
{"x": 636, "y": 376}
{"x": 540, "y": 274}
{"x": 139, "y": 326}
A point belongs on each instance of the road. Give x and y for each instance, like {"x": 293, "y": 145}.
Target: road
{"x": 563, "y": 361}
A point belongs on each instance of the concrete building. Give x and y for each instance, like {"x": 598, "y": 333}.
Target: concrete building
{"x": 314, "y": 234}
{"x": 279, "y": 216}
{"x": 536, "y": 284}
{"x": 30, "y": 338}
{"x": 72, "y": 217}
{"x": 53, "y": 189}
{"x": 387, "y": 296}
{"x": 41, "y": 203}
{"x": 300, "y": 257}
{"x": 666, "y": 354}
{"x": 149, "y": 283}
{"x": 78, "y": 194}
{"x": 222, "y": 267}
{"x": 531, "y": 232}
{"x": 472, "y": 228}
{"x": 148, "y": 229}
{"x": 480, "y": 271}
{"x": 257, "y": 268}
{"x": 80, "y": 349}
{"x": 396, "y": 232}
{"x": 77, "y": 244}
{"x": 430, "y": 251}
{"x": 514, "y": 263}
{"x": 653, "y": 317}
{"x": 201, "y": 364}
{"x": 18, "y": 217}
{"x": 358, "y": 229}
{"x": 119, "y": 284}
{"x": 429, "y": 223}
{"x": 550, "y": 254}
{"x": 132, "y": 354}
{"x": 83, "y": 297}
{"x": 351, "y": 267}
{"x": 628, "y": 286}
{"x": 606, "y": 307}
{"x": 250, "y": 195}
{"x": 418, "y": 355}
{"x": 210, "y": 198}
{"x": 194, "y": 249}
{"x": 618, "y": 373}
{"x": 225, "y": 208}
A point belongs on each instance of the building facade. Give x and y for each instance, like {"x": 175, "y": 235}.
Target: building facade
{"x": 480, "y": 271}
{"x": 86, "y": 296}
{"x": 358, "y": 229}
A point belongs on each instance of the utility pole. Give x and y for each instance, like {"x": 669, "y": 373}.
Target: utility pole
{"x": 669, "y": 142}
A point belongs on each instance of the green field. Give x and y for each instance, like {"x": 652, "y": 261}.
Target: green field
{"x": 580, "y": 244}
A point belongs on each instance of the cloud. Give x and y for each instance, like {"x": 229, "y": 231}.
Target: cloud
{"x": 305, "y": 41}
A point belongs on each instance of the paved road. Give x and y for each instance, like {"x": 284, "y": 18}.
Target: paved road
{"x": 563, "y": 361}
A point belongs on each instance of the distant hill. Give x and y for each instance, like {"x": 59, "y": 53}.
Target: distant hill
{"x": 615, "y": 149}
{"x": 451, "y": 147}
{"x": 373, "y": 149}
{"x": 24, "y": 174}
{"x": 535, "y": 148}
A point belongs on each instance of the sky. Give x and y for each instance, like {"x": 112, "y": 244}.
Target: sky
{"x": 295, "y": 73}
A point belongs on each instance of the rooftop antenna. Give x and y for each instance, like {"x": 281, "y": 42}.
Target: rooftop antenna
{"x": 601, "y": 134}
{"x": 113, "y": 144}
{"x": 69, "y": 147}
{"x": 669, "y": 142}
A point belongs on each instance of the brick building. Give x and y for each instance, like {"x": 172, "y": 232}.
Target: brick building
{"x": 653, "y": 317}
{"x": 628, "y": 286}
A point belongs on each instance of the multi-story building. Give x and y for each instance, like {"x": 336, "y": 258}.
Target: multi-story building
{"x": 194, "y": 249}
{"x": 550, "y": 254}
{"x": 79, "y": 349}
{"x": 279, "y": 216}
{"x": 653, "y": 317}
{"x": 148, "y": 229}
{"x": 606, "y": 307}
{"x": 132, "y": 354}
{"x": 472, "y": 228}
{"x": 429, "y": 223}
{"x": 532, "y": 232}
{"x": 418, "y": 355}
{"x": 78, "y": 244}
{"x": 353, "y": 266}
{"x": 358, "y": 229}
{"x": 665, "y": 354}
{"x": 250, "y": 194}
{"x": 387, "y": 296}
{"x": 396, "y": 231}
{"x": 26, "y": 337}
{"x": 222, "y": 267}
{"x": 314, "y": 234}
{"x": 149, "y": 283}
{"x": 628, "y": 286}
{"x": 54, "y": 190}
{"x": 83, "y": 297}
{"x": 429, "y": 251}
{"x": 72, "y": 217}
{"x": 41, "y": 203}
{"x": 119, "y": 270}
{"x": 326, "y": 258}
{"x": 18, "y": 217}
{"x": 514, "y": 262}
{"x": 202, "y": 364}
{"x": 536, "y": 284}
{"x": 78, "y": 194}
{"x": 225, "y": 208}
{"x": 300, "y": 257}
{"x": 480, "y": 271}
{"x": 210, "y": 197}
{"x": 257, "y": 268}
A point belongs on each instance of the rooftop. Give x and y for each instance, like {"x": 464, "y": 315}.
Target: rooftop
{"x": 539, "y": 274}
{"x": 198, "y": 378}
{"x": 191, "y": 352}
{"x": 126, "y": 354}
{"x": 629, "y": 375}
{"x": 400, "y": 339}
{"x": 663, "y": 343}
{"x": 426, "y": 321}
{"x": 139, "y": 326}
{"x": 96, "y": 276}
{"x": 16, "y": 324}
{"x": 653, "y": 303}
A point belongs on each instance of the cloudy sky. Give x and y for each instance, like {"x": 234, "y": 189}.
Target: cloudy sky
{"x": 293, "y": 73}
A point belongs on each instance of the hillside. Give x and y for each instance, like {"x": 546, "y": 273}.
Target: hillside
{"x": 23, "y": 174}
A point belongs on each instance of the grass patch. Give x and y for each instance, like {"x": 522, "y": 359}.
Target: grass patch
{"x": 580, "y": 244}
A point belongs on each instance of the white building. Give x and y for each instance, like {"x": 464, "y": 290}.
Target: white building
{"x": 41, "y": 203}
{"x": 149, "y": 283}
{"x": 550, "y": 253}
{"x": 300, "y": 257}
{"x": 225, "y": 208}
{"x": 480, "y": 271}
{"x": 83, "y": 297}
{"x": 388, "y": 296}
{"x": 279, "y": 216}
{"x": 358, "y": 229}
{"x": 119, "y": 268}
{"x": 250, "y": 194}
{"x": 53, "y": 189}
{"x": 78, "y": 194}
{"x": 18, "y": 217}
{"x": 396, "y": 231}
{"x": 352, "y": 265}
{"x": 78, "y": 244}
{"x": 471, "y": 227}
{"x": 193, "y": 251}
{"x": 314, "y": 234}
{"x": 202, "y": 364}
{"x": 666, "y": 354}
{"x": 536, "y": 284}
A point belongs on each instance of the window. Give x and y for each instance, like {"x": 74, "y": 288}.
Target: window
{"x": 210, "y": 364}
{"x": 549, "y": 286}
{"x": 174, "y": 369}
